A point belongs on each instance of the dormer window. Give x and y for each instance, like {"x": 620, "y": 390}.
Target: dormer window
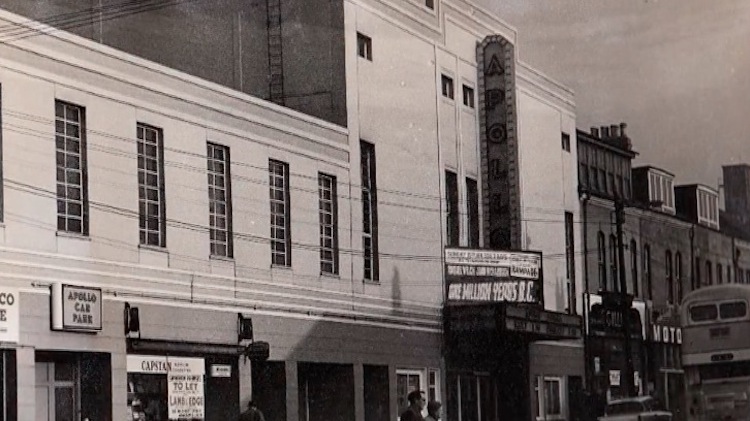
{"x": 708, "y": 207}
{"x": 661, "y": 191}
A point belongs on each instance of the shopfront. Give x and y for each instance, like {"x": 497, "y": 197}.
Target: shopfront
{"x": 496, "y": 333}
{"x": 666, "y": 375}
{"x": 10, "y": 316}
{"x": 606, "y": 337}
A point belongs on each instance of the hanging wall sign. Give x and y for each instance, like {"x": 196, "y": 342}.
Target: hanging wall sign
{"x": 10, "y": 318}
{"x": 76, "y": 308}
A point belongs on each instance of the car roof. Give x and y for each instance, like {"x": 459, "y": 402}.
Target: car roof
{"x": 639, "y": 399}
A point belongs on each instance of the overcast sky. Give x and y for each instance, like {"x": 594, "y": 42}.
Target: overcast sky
{"x": 677, "y": 71}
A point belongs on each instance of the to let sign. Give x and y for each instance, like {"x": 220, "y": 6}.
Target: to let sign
{"x": 76, "y": 308}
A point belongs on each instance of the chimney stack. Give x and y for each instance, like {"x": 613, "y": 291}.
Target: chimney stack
{"x": 595, "y": 132}
{"x": 613, "y": 130}
{"x": 622, "y": 129}
{"x": 605, "y": 132}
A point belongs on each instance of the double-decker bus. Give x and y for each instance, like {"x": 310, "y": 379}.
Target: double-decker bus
{"x": 716, "y": 353}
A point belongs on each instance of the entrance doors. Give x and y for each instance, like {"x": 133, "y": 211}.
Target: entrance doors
{"x": 56, "y": 394}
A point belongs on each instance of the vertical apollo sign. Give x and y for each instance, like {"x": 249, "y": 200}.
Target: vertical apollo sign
{"x": 493, "y": 276}
{"x": 499, "y": 147}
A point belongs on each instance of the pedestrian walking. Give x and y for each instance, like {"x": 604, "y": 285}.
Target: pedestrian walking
{"x": 252, "y": 413}
{"x": 433, "y": 411}
{"x": 416, "y": 404}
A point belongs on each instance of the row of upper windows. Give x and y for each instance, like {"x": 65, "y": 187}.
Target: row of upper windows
{"x": 706, "y": 274}
{"x": 73, "y": 202}
{"x": 603, "y": 172}
{"x": 608, "y": 264}
{"x": 364, "y": 50}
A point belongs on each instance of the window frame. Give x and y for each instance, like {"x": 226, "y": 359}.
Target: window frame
{"x": 647, "y": 275}
{"x": 452, "y": 211}
{"x": 602, "y": 260}
{"x": 333, "y": 248}
{"x": 369, "y": 191}
{"x": 82, "y": 171}
{"x": 364, "y": 46}
{"x": 468, "y": 96}
{"x": 542, "y": 394}
{"x": 285, "y": 255}
{"x": 214, "y": 215}
{"x": 565, "y": 140}
{"x": 144, "y": 215}
{"x": 634, "y": 265}
{"x": 613, "y": 263}
{"x": 425, "y": 384}
{"x": 447, "y": 86}
{"x": 472, "y": 203}
{"x": 669, "y": 275}
{"x": 430, "y": 4}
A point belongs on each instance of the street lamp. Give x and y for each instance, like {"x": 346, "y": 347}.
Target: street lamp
{"x": 584, "y": 197}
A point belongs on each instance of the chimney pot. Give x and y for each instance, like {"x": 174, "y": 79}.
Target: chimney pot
{"x": 622, "y": 129}
{"x": 605, "y": 132}
{"x": 595, "y": 132}
{"x": 613, "y": 130}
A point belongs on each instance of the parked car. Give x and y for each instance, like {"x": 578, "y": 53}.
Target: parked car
{"x": 640, "y": 408}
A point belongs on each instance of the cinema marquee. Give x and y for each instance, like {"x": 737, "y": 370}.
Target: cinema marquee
{"x": 493, "y": 276}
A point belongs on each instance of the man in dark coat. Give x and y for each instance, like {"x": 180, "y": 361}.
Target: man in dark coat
{"x": 416, "y": 404}
{"x": 252, "y": 413}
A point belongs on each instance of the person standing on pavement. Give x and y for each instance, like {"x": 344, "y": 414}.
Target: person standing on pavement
{"x": 416, "y": 404}
{"x": 252, "y": 413}
{"x": 433, "y": 411}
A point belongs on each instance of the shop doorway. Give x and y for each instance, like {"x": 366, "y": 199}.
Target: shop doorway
{"x": 56, "y": 391}
{"x": 73, "y": 386}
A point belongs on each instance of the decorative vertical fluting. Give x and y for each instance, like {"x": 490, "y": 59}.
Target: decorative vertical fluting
{"x": 499, "y": 144}
{"x": 275, "y": 52}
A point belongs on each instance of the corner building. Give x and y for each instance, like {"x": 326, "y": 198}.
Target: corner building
{"x": 304, "y": 165}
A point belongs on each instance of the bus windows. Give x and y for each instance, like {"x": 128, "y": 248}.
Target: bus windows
{"x": 703, "y": 313}
{"x": 733, "y": 310}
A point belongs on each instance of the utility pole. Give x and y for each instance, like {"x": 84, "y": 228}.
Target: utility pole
{"x": 627, "y": 379}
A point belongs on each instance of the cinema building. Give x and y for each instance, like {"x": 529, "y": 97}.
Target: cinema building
{"x": 163, "y": 188}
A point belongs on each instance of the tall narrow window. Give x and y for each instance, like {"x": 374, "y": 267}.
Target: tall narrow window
{"x": 219, "y": 200}
{"x": 613, "y": 262}
{"x": 697, "y": 281}
{"x": 281, "y": 236}
{"x": 452, "y": 213}
{"x": 472, "y": 200}
{"x": 729, "y": 274}
{"x": 647, "y": 271}
{"x": 634, "y": 266}
{"x": 364, "y": 46}
{"x": 709, "y": 273}
{"x": 570, "y": 260}
{"x": 669, "y": 275}
{"x": 602, "y": 254}
{"x": 447, "y": 86}
{"x": 569, "y": 250}
{"x": 369, "y": 211}
{"x": 328, "y": 208}
{"x": 70, "y": 145}
{"x": 151, "y": 209}
{"x": 678, "y": 275}
{"x": 719, "y": 274}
